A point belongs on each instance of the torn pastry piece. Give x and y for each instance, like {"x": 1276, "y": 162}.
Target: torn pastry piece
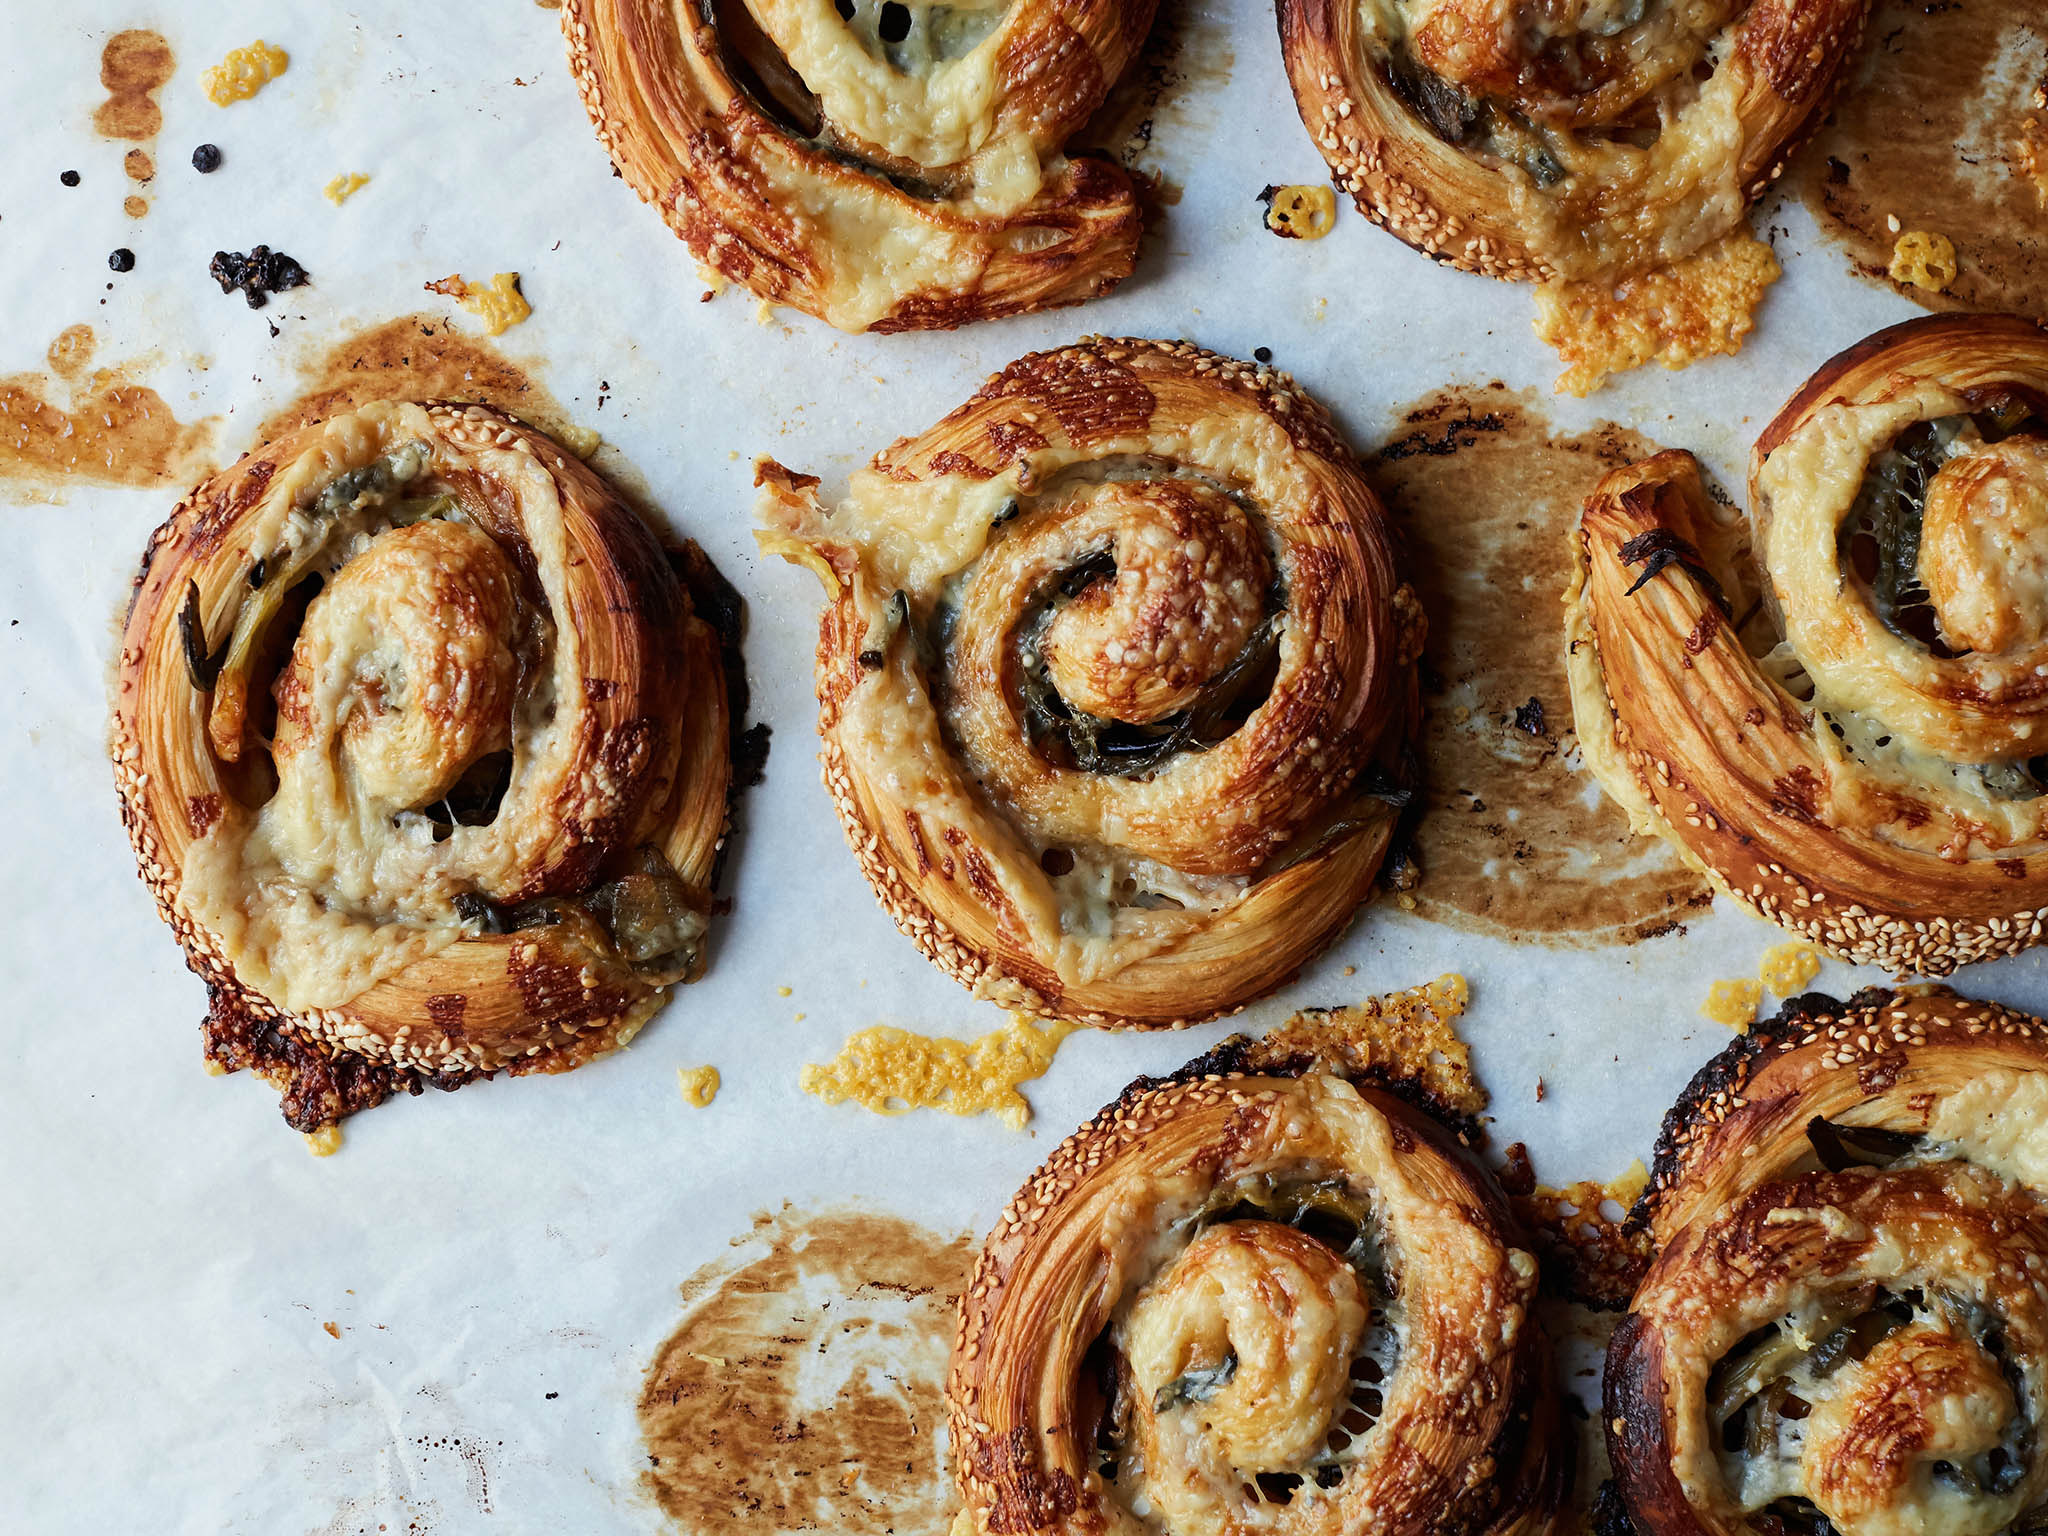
{"x": 1260, "y": 1294}
{"x": 423, "y": 747}
{"x": 881, "y": 166}
{"x": 1114, "y": 680}
{"x": 1845, "y": 1328}
{"x": 1863, "y": 756}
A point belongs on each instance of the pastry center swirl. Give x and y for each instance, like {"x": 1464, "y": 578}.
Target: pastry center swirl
{"x": 1240, "y": 1353}
{"x": 1984, "y": 547}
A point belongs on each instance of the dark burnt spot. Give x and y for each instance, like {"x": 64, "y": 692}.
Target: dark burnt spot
{"x": 1460, "y": 433}
{"x": 948, "y": 462}
{"x": 598, "y": 689}
{"x": 256, "y": 273}
{"x": 2012, "y": 869}
{"x": 201, "y": 812}
{"x": 1013, "y": 439}
{"x": 445, "y": 1011}
{"x": 1798, "y": 796}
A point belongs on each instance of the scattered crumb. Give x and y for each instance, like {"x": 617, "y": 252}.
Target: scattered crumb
{"x": 1733, "y": 1004}
{"x": 581, "y": 441}
{"x": 783, "y": 991}
{"x": 243, "y": 73}
{"x": 324, "y": 1142}
{"x": 1539, "y": 1090}
{"x": 333, "y": 1330}
{"x": 1300, "y": 213}
{"x": 1787, "y": 968}
{"x": 500, "y": 304}
{"x": 1702, "y": 306}
{"x": 342, "y": 188}
{"x": 1924, "y": 259}
{"x": 699, "y": 1085}
{"x": 1350, "y": 970}
{"x": 890, "y": 1071}
{"x": 801, "y": 1017}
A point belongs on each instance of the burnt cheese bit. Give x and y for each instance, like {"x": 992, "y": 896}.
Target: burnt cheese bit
{"x": 69, "y": 178}
{"x": 206, "y": 159}
{"x": 257, "y": 273}
{"x": 122, "y": 260}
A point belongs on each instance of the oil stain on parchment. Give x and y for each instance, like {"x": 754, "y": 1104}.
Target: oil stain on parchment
{"x": 78, "y": 422}
{"x": 134, "y": 66}
{"x": 804, "y": 1388}
{"x": 1944, "y": 128}
{"x": 1516, "y": 839}
{"x": 1161, "y": 107}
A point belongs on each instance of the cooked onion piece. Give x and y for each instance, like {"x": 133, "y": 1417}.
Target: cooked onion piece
{"x": 424, "y": 753}
{"x": 881, "y": 166}
{"x": 1256, "y": 1295}
{"x": 1113, "y": 680}
{"x": 1864, "y": 759}
{"x": 1562, "y": 139}
{"x": 1846, "y": 1325}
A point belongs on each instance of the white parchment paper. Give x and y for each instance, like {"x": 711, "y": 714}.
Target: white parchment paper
{"x": 500, "y": 1263}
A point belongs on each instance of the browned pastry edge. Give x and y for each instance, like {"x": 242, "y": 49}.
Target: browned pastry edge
{"x": 1445, "y": 204}
{"x": 1006, "y": 1477}
{"x": 322, "y": 1081}
{"x": 701, "y": 181}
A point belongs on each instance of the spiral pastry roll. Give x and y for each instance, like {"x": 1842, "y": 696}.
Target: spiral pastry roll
{"x": 1845, "y": 1328}
{"x": 1862, "y": 759}
{"x": 1255, "y": 1296}
{"x": 423, "y": 750}
{"x": 1553, "y": 139}
{"x": 1113, "y": 680}
{"x": 882, "y": 166}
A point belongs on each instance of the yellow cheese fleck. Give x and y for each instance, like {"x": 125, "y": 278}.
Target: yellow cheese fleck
{"x": 1733, "y": 1004}
{"x": 342, "y": 188}
{"x": 2030, "y": 150}
{"x": 1923, "y": 259}
{"x": 1787, "y": 968}
{"x": 798, "y": 552}
{"x": 499, "y": 303}
{"x": 1698, "y": 307}
{"x": 891, "y": 1071}
{"x": 782, "y": 991}
{"x": 244, "y": 72}
{"x": 324, "y": 1142}
{"x": 1301, "y": 213}
{"x": 581, "y": 441}
{"x": 699, "y": 1085}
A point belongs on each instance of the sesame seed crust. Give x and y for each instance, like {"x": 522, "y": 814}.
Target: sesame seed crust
{"x": 542, "y": 999}
{"x": 740, "y": 184}
{"x": 1084, "y": 1236}
{"x": 952, "y": 849}
{"x": 1476, "y": 211}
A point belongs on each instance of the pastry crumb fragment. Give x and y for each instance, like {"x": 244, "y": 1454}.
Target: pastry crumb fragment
{"x": 890, "y": 1071}
{"x": 1924, "y": 259}
{"x": 699, "y": 1085}
{"x": 243, "y": 73}
{"x": 1300, "y": 213}
{"x": 498, "y": 303}
{"x": 1702, "y": 306}
{"x": 324, "y": 1142}
{"x": 344, "y": 187}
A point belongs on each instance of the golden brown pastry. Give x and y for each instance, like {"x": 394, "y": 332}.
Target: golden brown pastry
{"x": 1267, "y": 1293}
{"x": 881, "y": 166}
{"x": 1862, "y": 758}
{"x": 424, "y": 754}
{"x": 1846, "y": 1326}
{"x": 1113, "y": 680}
{"x": 1546, "y": 139}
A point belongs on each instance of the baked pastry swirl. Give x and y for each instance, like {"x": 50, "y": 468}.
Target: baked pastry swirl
{"x": 1547, "y": 139}
{"x": 1262, "y": 1294}
{"x": 1113, "y": 680}
{"x": 1871, "y": 768}
{"x": 424, "y": 753}
{"x": 1846, "y": 1325}
{"x": 881, "y": 166}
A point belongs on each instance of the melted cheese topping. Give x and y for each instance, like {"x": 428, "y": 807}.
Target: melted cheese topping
{"x": 891, "y": 1071}
{"x": 342, "y": 188}
{"x": 1997, "y": 1120}
{"x": 1701, "y": 306}
{"x": 324, "y": 1142}
{"x": 499, "y": 304}
{"x": 243, "y": 73}
{"x": 1301, "y": 213}
{"x": 699, "y": 1085}
{"x": 1733, "y": 1004}
{"x": 1924, "y": 259}
{"x": 1787, "y": 968}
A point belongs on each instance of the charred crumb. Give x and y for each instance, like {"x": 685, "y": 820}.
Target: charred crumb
{"x": 1262, "y": 354}
{"x": 750, "y": 760}
{"x": 206, "y": 159}
{"x": 121, "y": 260}
{"x": 256, "y": 273}
{"x": 69, "y": 178}
{"x": 1529, "y": 719}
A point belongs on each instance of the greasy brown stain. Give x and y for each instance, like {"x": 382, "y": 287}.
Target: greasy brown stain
{"x": 135, "y": 207}
{"x": 133, "y": 67}
{"x": 1514, "y": 840}
{"x": 1929, "y": 133}
{"x": 101, "y": 427}
{"x": 804, "y": 1389}
{"x": 138, "y": 165}
{"x": 1163, "y": 100}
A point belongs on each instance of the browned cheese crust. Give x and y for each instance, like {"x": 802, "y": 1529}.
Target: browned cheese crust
{"x": 488, "y": 603}
{"x": 910, "y": 185}
{"x": 1203, "y": 1217}
{"x": 1847, "y": 1205}
{"x": 1861, "y": 810}
{"x": 1529, "y": 141}
{"x": 1115, "y": 529}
